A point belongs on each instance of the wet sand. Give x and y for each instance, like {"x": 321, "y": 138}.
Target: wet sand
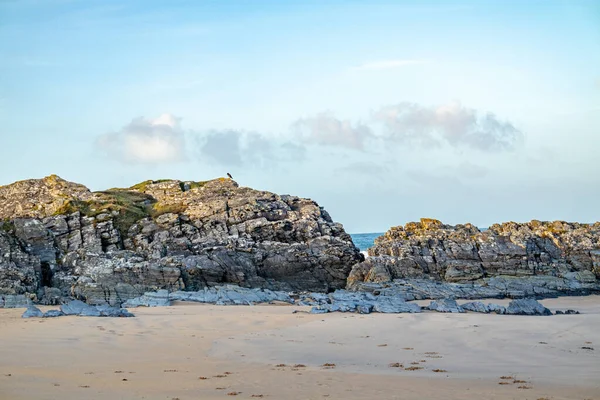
{"x": 192, "y": 351}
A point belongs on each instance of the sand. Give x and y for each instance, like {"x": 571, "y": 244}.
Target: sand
{"x": 192, "y": 351}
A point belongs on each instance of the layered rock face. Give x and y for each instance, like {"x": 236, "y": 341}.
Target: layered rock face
{"x": 59, "y": 239}
{"x": 555, "y": 256}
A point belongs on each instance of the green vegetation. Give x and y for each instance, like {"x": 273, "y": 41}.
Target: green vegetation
{"x": 6, "y": 226}
{"x": 159, "y": 209}
{"x": 142, "y": 186}
{"x": 192, "y": 184}
{"x": 127, "y": 207}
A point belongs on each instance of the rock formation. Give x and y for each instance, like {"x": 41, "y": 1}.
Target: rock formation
{"x": 509, "y": 259}
{"x": 58, "y": 239}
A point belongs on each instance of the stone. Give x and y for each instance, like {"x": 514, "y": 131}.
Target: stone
{"x": 32, "y": 312}
{"x": 445, "y": 306}
{"x": 527, "y": 307}
{"x": 116, "y": 312}
{"x": 15, "y": 301}
{"x": 53, "y": 314}
{"x": 364, "y": 308}
{"x": 495, "y": 308}
{"x": 78, "y": 307}
{"x": 150, "y": 299}
{"x": 385, "y": 304}
{"x": 475, "y": 306}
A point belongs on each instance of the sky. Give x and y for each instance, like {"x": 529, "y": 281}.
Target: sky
{"x": 381, "y": 111}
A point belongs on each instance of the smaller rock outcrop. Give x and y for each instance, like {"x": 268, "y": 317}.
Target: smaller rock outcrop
{"x": 527, "y": 307}
{"x": 541, "y": 259}
{"x": 32, "y": 312}
{"x": 79, "y": 308}
{"x": 445, "y": 306}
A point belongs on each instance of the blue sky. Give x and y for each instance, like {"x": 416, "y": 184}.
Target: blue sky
{"x": 383, "y": 112}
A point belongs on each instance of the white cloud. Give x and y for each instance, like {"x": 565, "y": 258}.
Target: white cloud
{"x": 450, "y": 124}
{"x": 146, "y": 141}
{"x": 325, "y": 129}
{"x": 386, "y": 64}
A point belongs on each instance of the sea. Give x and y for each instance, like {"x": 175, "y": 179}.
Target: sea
{"x": 364, "y": 240}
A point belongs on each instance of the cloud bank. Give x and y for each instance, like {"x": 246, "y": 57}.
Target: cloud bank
{"x": 451, "y": 124}
{"x": 146, "y": 141}
{"x": 325, "y": 129}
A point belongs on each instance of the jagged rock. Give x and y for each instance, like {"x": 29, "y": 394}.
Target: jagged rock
{"x": 32, "y": 312}
{"x": 495, "y": 308}
{"x": 230, "y": 295}
{"x": 567, "y": 312}
{"x": 109, "y": 311}
{"x": 15, "y": 301}
{"x": 527, "y": 307}
{"x": 364, "y": 308}
{"x": 150, "y": 299}
{"x": 475, "y": 306}
{"x": 541, "y": 259}
{"x": 386, "y": 304}
{"x": 363, "y": 303}
{"x": 78, "y": 307}
{"x": 53, "y": 314}
{"x": 445, "y": 306}
{"x": 59, "y": 240}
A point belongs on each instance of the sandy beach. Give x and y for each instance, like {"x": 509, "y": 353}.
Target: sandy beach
{"x": 191, "y": 351}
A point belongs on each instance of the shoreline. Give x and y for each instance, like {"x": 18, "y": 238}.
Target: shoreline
{"x": 164, "y": 350}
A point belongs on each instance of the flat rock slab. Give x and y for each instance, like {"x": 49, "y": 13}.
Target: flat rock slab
{"x": 445, "y": 306}
{"x": 79, "y": 308}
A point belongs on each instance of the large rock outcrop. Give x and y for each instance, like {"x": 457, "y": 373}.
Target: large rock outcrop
{"x": 59, "y": 239}
{"x": 509, "y": 259}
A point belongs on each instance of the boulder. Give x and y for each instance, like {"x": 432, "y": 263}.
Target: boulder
{"x": 445, "y": 306}
{"x": 32, "y": 312}
{"x": 78, "y": 307}
{"x": 475, "y": 306}
{"x": 150, "y": 299}
{"x": 527, "y": 307}
{"x": 116, "y": 312}
{"x": 53, "y": 314}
